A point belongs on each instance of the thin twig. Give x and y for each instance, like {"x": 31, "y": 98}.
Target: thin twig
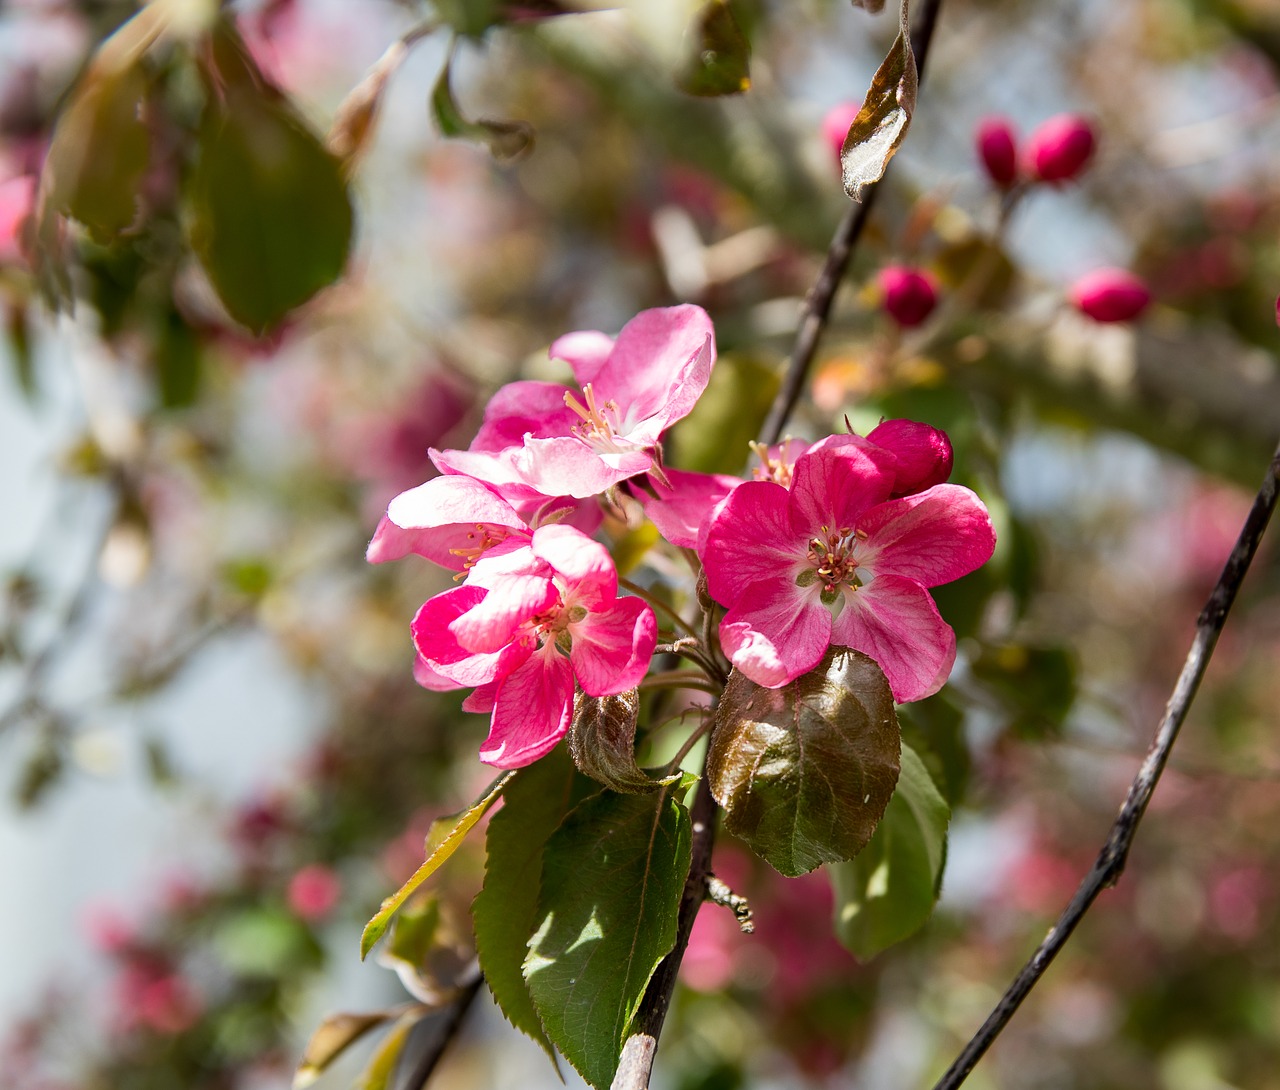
{"x": 1110, "y": 863}
{"x": 817, "y": 305}
{"x": 658, "y": 604}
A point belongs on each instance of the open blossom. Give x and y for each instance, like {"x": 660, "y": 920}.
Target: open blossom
{"x": 837, "y": 559}
{"x": 556, "y": 441}
{"x": 530, "y": 619}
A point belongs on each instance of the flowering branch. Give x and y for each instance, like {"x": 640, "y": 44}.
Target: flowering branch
{"x": 1110, "y": 863}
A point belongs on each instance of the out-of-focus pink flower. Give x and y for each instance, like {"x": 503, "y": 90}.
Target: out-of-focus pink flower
{"x": 1110, "y": 295}
{"x": 998, "y": 150}
{"x": 107, "y": 929}
{"x": 908, "y": 295}
{"x": 16, "y": 198}
{"x": 835, "y": 126}
{"x": 314, "y": 892}
{"x": 559, "y": 442}
{"x": 151, "y": 996}
{"x": 835, "y": 560}
{"x": 530, "y": 619}
{"x": 1060, "y": 148}
{"x": 715, "y": 948}
{"x": 1235, "y": 902}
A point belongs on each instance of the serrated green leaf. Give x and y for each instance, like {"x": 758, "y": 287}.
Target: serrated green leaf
{"x": 270, "y": 216}
{"x": 443, "y": 838}
{"x": 719, "y": 61}
{"x": 505, "y": 910}
{"x": 805, "y": 772}
{"x": 507, "y": 140}
{"x": 888, "y": 892}
{"x": 602, "y": 739}
{"x": 881, "y": 124}
{"x": 612, "y": 879}
{"x": 332, "y": 1037}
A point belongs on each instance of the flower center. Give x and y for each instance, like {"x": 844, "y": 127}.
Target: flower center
{"x": 599, "y": 425}
{"x": 479, "y": 541}
{"x": 778, "y": 470}
{"x": 832, "y": 554}
{"x": 552, "y": 624}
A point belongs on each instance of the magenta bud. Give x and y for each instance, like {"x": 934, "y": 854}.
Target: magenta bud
{"x": 909, "y": 294}
{"x": 835, "y": 125}
{"x": 1059, "y": 149}
{"x": 998, "y": 149}
{"x": 1110, "y": 295}
{"x": 924, "y": 454}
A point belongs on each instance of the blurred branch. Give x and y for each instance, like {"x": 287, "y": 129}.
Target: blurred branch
{"x": 1110, "y": 863}
{"x": 431, "y": 1038}
{"x": 817, "y": 306}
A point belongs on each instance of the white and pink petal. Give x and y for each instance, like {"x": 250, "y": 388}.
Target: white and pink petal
{"x": 531, "y": 711}
{"x": 612, "y": 647}
{"x": 931, "y": 537}
{"x": 774, "y": 636}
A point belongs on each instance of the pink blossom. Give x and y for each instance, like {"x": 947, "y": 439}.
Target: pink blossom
{"x": 1110, "y": 295}
{"x": 909, "y": 295}
{"x": 923, "y": 452}
{"x": 530, "y": 619}
{"x": 998, "y": 149}
{"x": 835, "y": 125}
{"x": 16, "y": 197}
{"x": 837, "y": 560}
{"x": 314, "y": 892}
{"x": 555, "y": 441}
{"x": 1060, "y": 148}
{"x": 150, "y": 995}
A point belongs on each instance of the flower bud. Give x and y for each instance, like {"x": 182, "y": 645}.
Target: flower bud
{"x": 909, "y": 294}
{"x": 1110, "y": 295}
{"x": 1059, "y": 149}
{"x": 835, "y": 125}
{"x": 924, "y": 454}
{"x": 998, "y": 150}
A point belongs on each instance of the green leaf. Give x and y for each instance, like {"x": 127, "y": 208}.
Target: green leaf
{"x": 889, "y": 890}
{"x": 1036, "y": 685}
{"x": 719, "y": 61}
{"x": 382, "y": 1065}
{"x": 333, "y": 1037}
{"x": 881, "y": 124}
{"x": 270, "y": 218}
{"x": 612, "y": 878}
{"x": 805, "y": 772}
{"x": 443, "y": 838}
{"x": 265, "y": 942}
{"x": 505, "y": 910}
{"x": 507, "y": 140}
{"x": 602, "y": 739}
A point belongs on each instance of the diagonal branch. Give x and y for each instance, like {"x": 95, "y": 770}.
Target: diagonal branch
{"x": 1110, "y": 863}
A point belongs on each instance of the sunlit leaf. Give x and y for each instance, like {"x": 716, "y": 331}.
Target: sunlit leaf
{"x": 382, "y": 1065}
{"x": 333, "y": 1037}
{"x": 602, "y": 739}
{"x": 506, "y": 140}
{"x": 888, "y": 892}
{"x": 443, "y": 839}
{"x": 805, "y": 772}
{"x": 881, "y": 124}
{"x": 270, "y": 217}
{"x": 720, "y": 55}
{"x": 612, "y": 878}
{"x": 505, "y": 910}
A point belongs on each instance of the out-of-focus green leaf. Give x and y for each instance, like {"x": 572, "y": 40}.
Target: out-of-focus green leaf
{"x": 20, "y": 352}
{"x": 878, "y": 130}
{"x": 888, "y": 892}
{"x": 443, "y": 838}
{"x": 506, "y": 140}
{"x": 934, "y": 728}
{"x": 719, "y": 61}
{"x": 382, "y": 1065}
{"x": 715, "y": 437}
{"x": 177, "y": 363}
{"x": 612, "y": 878}
{"x": 602, "y": 739}
{"x": 1036, "y": 684}
{"x": 333, "y": 1037}
{"x": 265, "y": 942}
{"x": 354, "y": 122}
{"x": 270, "y": 215}
{"x": 805, "y": 772}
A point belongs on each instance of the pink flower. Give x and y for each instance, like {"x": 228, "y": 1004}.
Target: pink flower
{"x": 17, "y": 196}
{"x": 1060, "y": 148}
{"x": 556, "y": 441}
{"x": 314, "y": 892}
{"x": 836, "y": 560}
{"x": 530, "y": 619}
{"x": 998, "y": 150}
{"x": 836, "y": 123}
{"x": 909, "y": 294}
{"x": 1110, "y": 295}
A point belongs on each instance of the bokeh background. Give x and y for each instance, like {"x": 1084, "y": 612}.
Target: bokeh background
{"x": 214, "y": 760}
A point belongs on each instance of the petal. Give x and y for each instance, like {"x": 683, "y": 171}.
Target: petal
{"x": 495, "y": 621}
{"x": 439, "y": 517}
{"x": 442, "y": 653}
{"x": 659, "y": 367}
{"x": 524, "y": 408}
{"x": 680, "y": 510}
{"x": 924, "y": 454}
{"x": 500, "y": 470}
{"x": 568, "y": 467}
{"x": 773, "y": 634}
{"x": 932, "y": 537}
{"x": 425, "y": 676}
{"x": 836, "y": 480}
{"x": 531, "y": 712}
{"x": 584, "y": 352}
{"x": 586, "y": 565}
{"x": 895, "y": 621}
{"x": 612, "y": 647}
{"x": 749, "y": 538}
{"x": 483, "y": 699}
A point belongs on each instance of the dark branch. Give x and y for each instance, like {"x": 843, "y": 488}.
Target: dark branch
{"x": 1110, "y": 863}
{"x": 431, "y": 1037}
{"x": 817, "y": 308}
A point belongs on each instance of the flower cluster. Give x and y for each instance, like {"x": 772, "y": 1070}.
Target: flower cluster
{"x": 834, "y": 542}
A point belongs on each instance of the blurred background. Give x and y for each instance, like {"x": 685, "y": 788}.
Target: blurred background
{"x": 214, "y": 760}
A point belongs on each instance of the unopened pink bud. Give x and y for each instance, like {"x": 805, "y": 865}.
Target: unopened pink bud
{"x": 909, "y": 294}
{"x": 998, "y": 149}
{"x": 313, "y": 892}
{"x": 1059, "y": 149}
{"x": 924, "y": 454}
{"x": 835, "y": 125}
{"x": 1110, "y": 295}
